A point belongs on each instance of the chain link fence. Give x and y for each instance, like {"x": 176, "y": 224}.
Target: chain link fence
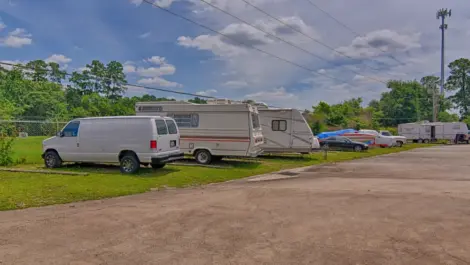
{"x": 23, "y": 127}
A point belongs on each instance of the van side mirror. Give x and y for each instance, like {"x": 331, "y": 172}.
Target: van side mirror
{"x": 60, "y": 134}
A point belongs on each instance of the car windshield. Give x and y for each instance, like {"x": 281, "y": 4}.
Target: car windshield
{"x": 386, "y": 134}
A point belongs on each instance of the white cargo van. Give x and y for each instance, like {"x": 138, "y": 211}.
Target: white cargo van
{"x": 130, "y": 141}
{"x": 212, "y": 131}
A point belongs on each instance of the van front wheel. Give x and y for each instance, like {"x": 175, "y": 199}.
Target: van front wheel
{"x": 203, "y": 157}
{"x": 129, "y": 164}
{"x": 52, "y": 159}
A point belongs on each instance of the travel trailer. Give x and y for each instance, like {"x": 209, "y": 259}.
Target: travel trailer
{"x": 425, "y": 132}
{"x": 285, "y": 131}
{"x": 212, "y": 131}
{"x": 130, "y": 141}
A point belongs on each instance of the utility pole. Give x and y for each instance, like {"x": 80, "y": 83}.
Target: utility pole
{"x": 441, "y": 14}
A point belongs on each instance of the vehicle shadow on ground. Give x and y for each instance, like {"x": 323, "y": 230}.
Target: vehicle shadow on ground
{"x": 290, "y": 157}
{"x": 224, "y": 163}
{"x": 114, "y": 169}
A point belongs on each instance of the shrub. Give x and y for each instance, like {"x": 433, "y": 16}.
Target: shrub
{"x": 6, "y": 147}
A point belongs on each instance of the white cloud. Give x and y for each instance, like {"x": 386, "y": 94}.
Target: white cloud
{"x": 9, "y": 67}
{"x": 152, "y": 75}
{"x": 158, "y": 60}
{"x": 378, "y": 42}
{"x": 129, "y": 68}
{"x": 275, "y": 95}
{"x": 145, "y": 35}
{"x": 321, "y": 71}
{"x": 58, "y": 58}
{"x": 166, "y": 69}
{"x": 158, "y": 81}
{"x": 235, "y": 84}
{"x": 136, "y": 2}
{"x": 2, "y": 26}
{"x": 161, "y": 3}
{"x": 17, "y": 38}
{"x": 207, "y": 92}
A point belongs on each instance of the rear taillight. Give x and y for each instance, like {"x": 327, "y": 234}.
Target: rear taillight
{"x": 153, "y": 144}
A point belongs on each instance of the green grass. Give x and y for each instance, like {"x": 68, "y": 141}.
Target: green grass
{"x": 22, "y": 190}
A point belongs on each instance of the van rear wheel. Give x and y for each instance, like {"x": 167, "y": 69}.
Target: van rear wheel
{"x": 203, "y": 157}
{"x": 129, "y": 164}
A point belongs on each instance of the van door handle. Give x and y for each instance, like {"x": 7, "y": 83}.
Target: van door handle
{"x": 78, "y": 145}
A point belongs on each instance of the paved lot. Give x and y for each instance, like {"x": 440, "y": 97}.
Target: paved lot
{"x": 406, "y": 208}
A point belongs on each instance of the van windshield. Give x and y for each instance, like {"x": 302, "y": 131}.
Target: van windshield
{"x": 255, "y": 120}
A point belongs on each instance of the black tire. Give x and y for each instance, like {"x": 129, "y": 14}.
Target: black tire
{"x": 420, "y": 141}
{"x": 52, "y": 159}
{"x": 358, "y": 148}
{"x": 203, "y": 157}
{"x": 158, "y": 166}
{"x": 129, "y": 164}
{"x": 426, "y": 141}
{"x": 399, "y": 143}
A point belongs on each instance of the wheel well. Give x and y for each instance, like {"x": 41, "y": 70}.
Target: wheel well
{"x": 200, "y": 149}
{"x": 52, "y": 150}
{"x": 128, "y": 152}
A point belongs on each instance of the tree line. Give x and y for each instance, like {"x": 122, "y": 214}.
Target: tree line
{"x": 406, "y": 101}
{"x": 41, "y": 90}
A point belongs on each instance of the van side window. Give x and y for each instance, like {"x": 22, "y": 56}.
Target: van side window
{"x": 161, "y": 127}
{"x": 279, "y": 125}
{"x": 186, "y": 120}
{"x": 71, "y": 129}
{"x": 171, "y": 127}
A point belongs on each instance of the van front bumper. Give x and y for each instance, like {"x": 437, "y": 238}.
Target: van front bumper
{"x": 168, "y": 158}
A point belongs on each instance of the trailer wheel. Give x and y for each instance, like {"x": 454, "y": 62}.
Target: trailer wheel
{"x": 203, "y": 157}
{"x": 420, "y": 141}
{"x": 426, "y": 141}
{"x": 399, "y": 143}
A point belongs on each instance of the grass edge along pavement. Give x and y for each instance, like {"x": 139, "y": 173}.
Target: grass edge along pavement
{"x": 23, "y": 190}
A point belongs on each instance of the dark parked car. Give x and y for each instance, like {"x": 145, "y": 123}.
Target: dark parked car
{"x": 343, "y": 143}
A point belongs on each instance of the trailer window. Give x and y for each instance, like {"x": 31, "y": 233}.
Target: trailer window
{"x": 161, "y": 127}
{"x": 171, "y": 127}
{"x": 279, "y": 125}
{"x": 255, "y": 120}
{"x": 186, "y": 120}
{"x": 456, "y": 127}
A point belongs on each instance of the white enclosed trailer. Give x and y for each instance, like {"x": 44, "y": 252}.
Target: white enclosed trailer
{"x": 429, "y": 131}
{"x": 211, "y": 131}
{"x": 285, "y": 131}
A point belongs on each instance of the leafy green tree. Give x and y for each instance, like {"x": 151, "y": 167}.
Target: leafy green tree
{"x": 114, "y": 82}
{"x": 37, "y": 70}
{"x": 459, "y": 80}
{"x": 199, "y": 100}
{"x": 55, "y": 74}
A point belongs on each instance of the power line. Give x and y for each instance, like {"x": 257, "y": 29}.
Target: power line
{"x": 353, "y": 31}
{"x": 282, "y": 40}
{"x": 306, "y": 35}
{"x": 242, "y": 43}
{"x": 127, "y": 84}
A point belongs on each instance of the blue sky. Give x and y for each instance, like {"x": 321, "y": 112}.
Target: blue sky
{"x": 160, "y": 50}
